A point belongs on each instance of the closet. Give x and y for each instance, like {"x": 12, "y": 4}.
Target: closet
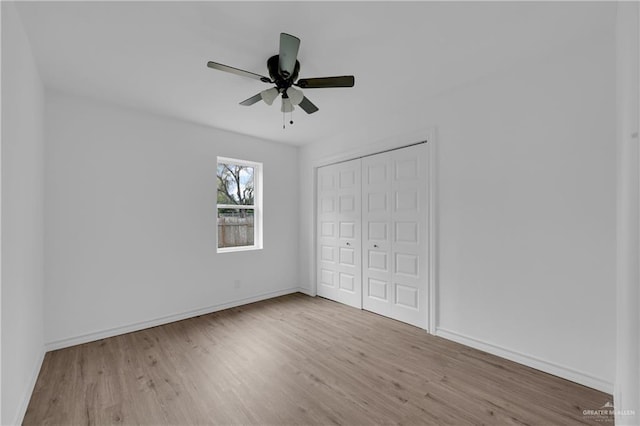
{"x": 372, "y": 233}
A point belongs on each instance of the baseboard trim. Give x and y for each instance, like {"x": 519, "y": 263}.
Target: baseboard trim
{"x": 26, "y": 397}
{"x": 307, "y": 292}
{"x": 530, "y": 361}
{"x": 91, "y": 337}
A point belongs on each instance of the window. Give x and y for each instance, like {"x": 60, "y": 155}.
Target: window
{"x": 239, "y": 205}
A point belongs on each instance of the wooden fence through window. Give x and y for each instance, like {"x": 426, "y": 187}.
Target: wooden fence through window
{"x": 235, "y": 231}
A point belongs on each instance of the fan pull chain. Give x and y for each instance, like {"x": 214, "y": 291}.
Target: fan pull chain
{"x": 284, "y": 119}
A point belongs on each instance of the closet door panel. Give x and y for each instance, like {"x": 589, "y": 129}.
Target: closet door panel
{"x": 376, "y": 234}
{"x": 394, "y": 218}
{"x": 339, "y": 234}
{"x": 327, "y": 233}
{"x": 408, "y": 223}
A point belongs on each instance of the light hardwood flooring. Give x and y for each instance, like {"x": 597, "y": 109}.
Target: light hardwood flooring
{"x": 296, "y": 360}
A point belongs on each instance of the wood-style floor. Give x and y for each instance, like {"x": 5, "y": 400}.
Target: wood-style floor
{"x": 296, "y": 360}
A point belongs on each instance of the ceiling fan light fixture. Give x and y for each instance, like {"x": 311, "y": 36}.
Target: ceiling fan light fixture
{"x": 287, "y": 106}
{"x": 269, "y": 95}
{"x": 295, "y": 95}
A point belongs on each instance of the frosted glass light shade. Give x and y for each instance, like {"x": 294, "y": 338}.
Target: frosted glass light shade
{"x": 286, "y": 105}
{"x": 269, "y": 95}
{"x": 295, "y": 95}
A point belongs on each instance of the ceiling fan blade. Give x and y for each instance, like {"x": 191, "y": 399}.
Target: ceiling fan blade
{"x": 237, "y": 71}
{"x": 307, "y": 106}
{"x": 252, "y": 100}
{"x": 325, "y": 82}
{"x": 289, "y": 46}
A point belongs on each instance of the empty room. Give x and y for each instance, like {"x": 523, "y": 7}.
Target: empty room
{"x": 315, "y": 213}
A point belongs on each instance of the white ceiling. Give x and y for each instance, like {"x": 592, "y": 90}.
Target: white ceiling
{"x": 153, "y": 55}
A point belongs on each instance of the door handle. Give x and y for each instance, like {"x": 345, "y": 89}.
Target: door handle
{"x": 348, "y": 243}
{"x": 375, "y": 246}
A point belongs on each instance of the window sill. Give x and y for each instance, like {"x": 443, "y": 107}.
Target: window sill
{"x": 237, "y": 249}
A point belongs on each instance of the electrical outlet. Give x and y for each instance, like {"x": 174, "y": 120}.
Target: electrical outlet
{"x": 236, "y": 284}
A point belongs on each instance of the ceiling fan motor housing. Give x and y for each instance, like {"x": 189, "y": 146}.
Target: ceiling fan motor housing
{"x": 279, "y": 77}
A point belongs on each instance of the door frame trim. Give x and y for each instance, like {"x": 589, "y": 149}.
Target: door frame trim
{"x": 425, "y": 135}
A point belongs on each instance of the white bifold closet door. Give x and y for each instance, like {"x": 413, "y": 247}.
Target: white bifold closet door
{"x": 372, "y": 233}
{"x": 339, "y": 238}
{"x": 394, "y": 234}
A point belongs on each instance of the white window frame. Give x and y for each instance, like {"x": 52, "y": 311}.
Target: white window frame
{"x": 257, "y": 205}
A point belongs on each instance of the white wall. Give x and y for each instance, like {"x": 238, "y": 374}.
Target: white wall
{"x": 22, "y": 218}
{"x": 130, "y": 220}
{"x": 627, "y": 391}
{"x": 526, "y": 209}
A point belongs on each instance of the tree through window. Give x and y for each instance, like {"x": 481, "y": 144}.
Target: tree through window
{"x": 238, "y": 211}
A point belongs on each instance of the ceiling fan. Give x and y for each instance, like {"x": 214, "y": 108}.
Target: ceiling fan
{"x": 283, "y": 70}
